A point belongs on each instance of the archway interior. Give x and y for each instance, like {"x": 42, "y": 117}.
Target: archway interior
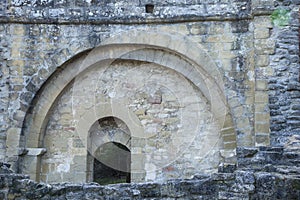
{"x": 108, "y": 156}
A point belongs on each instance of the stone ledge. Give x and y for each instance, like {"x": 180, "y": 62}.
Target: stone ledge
{"x": 35, "y": 151}
{"x": 126, "y": 20}
{"x": 124, "y": 11}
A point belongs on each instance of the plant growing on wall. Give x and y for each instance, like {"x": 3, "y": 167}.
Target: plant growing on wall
{"x": 280, "y": 17}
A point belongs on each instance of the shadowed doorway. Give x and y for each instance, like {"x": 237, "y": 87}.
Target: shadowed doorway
{"x": 112, "y": 164}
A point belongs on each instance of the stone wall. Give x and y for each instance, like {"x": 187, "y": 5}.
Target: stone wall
{"x": 263, "y": 173}
{"x": 112, "y": 12}
{"x": 180, "y": 135}
{"x": 4, "y": 88}
{"x": 284, "y": 83}
{"x": 249, "y": 49}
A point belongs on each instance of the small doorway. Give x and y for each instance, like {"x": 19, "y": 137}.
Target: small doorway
{"x": 111, "y": 164}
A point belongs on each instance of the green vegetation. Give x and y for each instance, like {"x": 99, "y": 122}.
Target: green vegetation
{"x": 110, "y": 180}
{"x": 280, "y": 17}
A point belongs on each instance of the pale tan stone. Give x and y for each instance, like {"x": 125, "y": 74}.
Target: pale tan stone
{"x": 262, "y": 60}
{"x": 262, "y": 117}
{"x": 264, "y": 46}
{"x": 261, "y": 97}
{"x": 263, "y": 21}
{"x": 262, "y": 140}
{"x": 18, "y": 29}
{"x": 261, "y": 33}
{"x": 261, "y": 85}
{"x": 262, "y": 128}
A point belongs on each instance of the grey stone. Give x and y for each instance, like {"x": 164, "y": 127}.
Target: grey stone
{"x": 39, "y": 38}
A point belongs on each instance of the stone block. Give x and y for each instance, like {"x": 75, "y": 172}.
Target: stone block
{"x": 218, "y": 28}
{"x": 262, "y": 140}
{"x": 78, "y": 164}
{"x": 262, "y": 22}
{"x": 229, "y": 145}
{"x": 261, "y": 107}
{"x": 199, "y": 29}
{"x": 227, "y": 46}
{"x": 138, "y": 176}
{"x": 75, "y": 177}
{"x": 137, "y": 161}
{"x": 18, "y": 80}
{"x": 228, "y": 131}
{"x": 241, "y": 26}
{"x": 18, "y": 29}
{"x": 261, "y": 97}
{"x": 262, "y": 60}
{"x": 228, "y": 38}
{"x": 264, "y": 46}
{"x": 36, "y": 151}
{"x": 54, "y": 177}
{"x": 15, "y": 53}
{"x": 261, "y": 33}
{"x": 213, "y": 39}
{"x": 229, "y": 138}
{"x": 18, "y": 63}
{"x": 227, "y": 55}
{"x": 262, "y": 127}
{"x": 77, "y": 143}
{"x": 182, "y": 28}
{"x": 246, "y": 152}
{"x": 138, "y": 142}
{"x": 45, "y": 169}
{"x": 242, "y": 122}
{"x": 261, "y": 85}
{"x": 228, "y": 153}
{"x": 245, "y": 138}
{"x": 250, "y": 98}
{"x": 262, "y": 117}
{"x": 12, "y": 141}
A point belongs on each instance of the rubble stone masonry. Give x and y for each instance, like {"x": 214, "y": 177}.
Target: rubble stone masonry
{"x": 206, "y": 87}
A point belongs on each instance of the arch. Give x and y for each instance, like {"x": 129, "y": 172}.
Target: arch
{"x": 99, "y": 137}
{"x": 104, "y": 110}
{"x": 169, "y": 50}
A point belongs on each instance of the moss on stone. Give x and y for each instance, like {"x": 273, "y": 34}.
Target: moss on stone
{"x": 280, "y": 17}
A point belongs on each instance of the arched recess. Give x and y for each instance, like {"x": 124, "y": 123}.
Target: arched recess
{"x": 169, "y": 50}
{"x": 108, "y": 129}
{"x": 109, "y": 144}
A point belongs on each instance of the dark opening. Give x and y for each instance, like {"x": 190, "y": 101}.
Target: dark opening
{"x": 149, "y": 8}
{"x": 112, "y": 164}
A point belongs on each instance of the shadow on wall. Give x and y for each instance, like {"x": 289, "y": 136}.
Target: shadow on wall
{"x": 110, "y": 155}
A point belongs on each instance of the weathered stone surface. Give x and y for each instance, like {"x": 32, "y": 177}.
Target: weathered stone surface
{"x": 284, "y": 62}
{"x": 241, "y": 184}
{"x": 4, "y": 168}
{"x": 253, "y": 46}
{"x": 120, "y": 11}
